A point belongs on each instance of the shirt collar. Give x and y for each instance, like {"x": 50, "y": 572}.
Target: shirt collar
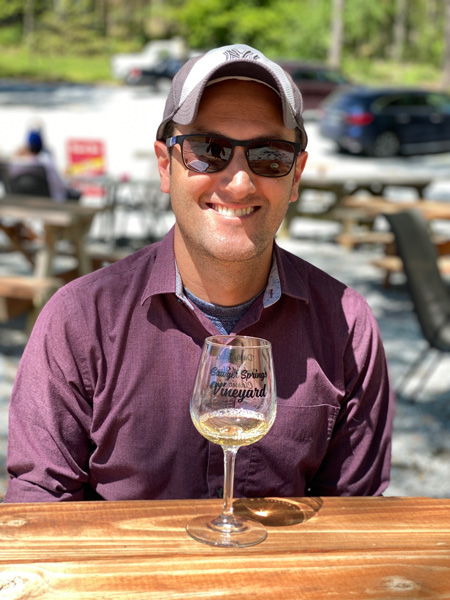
{"x": 285, "y": 276}
{"x": 293, "y": 272}
{"x": 272, "y": 292}
{"x": 162, "y": 278}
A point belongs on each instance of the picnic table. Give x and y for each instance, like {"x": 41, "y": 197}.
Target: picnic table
{"x": 60, "y": 221}
{"x": 342, "y": 184}
{"x": 317, "y": 548}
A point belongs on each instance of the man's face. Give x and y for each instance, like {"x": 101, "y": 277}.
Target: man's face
{"x": 234, "y": 214}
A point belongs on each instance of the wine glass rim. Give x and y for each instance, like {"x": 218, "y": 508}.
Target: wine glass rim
{"x": 214, "y": 341}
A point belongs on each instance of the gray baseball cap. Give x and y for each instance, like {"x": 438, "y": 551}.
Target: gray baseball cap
{"x": 230, "y": 62}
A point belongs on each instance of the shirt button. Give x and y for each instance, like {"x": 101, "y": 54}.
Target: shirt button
{"x": 219, "y": 492}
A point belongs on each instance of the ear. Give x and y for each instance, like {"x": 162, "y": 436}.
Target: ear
{"x": 163, "y": 160}
{"x": 299, "y": 166}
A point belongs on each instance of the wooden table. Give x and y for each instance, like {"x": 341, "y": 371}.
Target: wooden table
{"x": 341, "y": 184}
{"x": 316, "y": 549}
{"x": 354, "y": 210}
{"x": 371, "y": 180}
{"x": 376, "y": 205}
{"x": 61, "y": 220}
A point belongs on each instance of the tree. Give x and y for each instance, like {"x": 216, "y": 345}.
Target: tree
{"x": 446, "y": 69}
{"x": 279, "y": 28}
{"x": 337, "y": 34}
{"x": 28, "y": 21}
{"x": 400, "y": 29}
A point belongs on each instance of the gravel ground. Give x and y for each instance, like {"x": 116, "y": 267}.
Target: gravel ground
{"x": 421, "y": 441}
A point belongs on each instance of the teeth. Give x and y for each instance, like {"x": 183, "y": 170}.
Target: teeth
{"x": 231, "y": 212}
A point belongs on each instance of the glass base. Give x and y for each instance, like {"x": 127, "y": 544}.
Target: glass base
{"x": 237, "y": 532}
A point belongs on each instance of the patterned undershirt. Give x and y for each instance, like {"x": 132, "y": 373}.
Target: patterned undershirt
{"x": 226, "y": 317}
{"x": 223, "y": 317}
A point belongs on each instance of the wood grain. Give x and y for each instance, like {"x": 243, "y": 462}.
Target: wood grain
{"x": 373, "y": 206}
{"x": 377, "y": 548}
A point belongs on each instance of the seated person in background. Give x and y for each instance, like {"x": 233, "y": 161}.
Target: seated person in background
{"x": 34, "y": 153}
{"x": 100, "y": 405}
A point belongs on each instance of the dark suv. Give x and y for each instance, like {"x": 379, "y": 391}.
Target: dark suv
{"x": 315, "y": 81}
{"x": 387, "y": 122}
{"x": 159, "y": 75}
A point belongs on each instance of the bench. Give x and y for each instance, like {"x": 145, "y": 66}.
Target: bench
{"x": 25, "y": 293}
{"x": 101, "y": 257}
{"x": 350, "y": 240}
{"x": 394, "y": 264}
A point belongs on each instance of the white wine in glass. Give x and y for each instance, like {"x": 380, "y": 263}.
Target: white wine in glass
{"x": 233, "y": 404}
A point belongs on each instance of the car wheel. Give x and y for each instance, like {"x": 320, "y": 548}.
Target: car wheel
{"x": 386, "y": 144}
{"x": 342, "y": 149}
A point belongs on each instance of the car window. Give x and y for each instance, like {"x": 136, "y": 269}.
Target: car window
{"x": 333, "y": 77}
{"x": 406, "y": 101}
{"x": 315, "y": 74}
{"x": 346, "y": 102}
{"x": 439, "y": 101}
{"x": 380, "y": 103}
{"x": 307, "y": 75}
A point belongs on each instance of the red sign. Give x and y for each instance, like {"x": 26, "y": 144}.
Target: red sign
{"x": 86, "y": 157}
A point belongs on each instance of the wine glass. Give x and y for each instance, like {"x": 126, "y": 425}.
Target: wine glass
{"x": 233, "y": 404}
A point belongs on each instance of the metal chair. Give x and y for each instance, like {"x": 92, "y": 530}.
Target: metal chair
{"x": 429, "y": 292}
{"x": 4, "y": 177}
{"x": 32, "y": 182}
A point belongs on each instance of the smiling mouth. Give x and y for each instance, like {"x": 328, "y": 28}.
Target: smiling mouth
{"x": 232, "y": 212}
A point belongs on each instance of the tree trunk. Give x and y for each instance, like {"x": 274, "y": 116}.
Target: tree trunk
{"x": 337, "y": 34}
{"x": 102, "y": 7}
{"x": 28, "y": 20}
{"x": 400, "y": 30}
{"x": 446, "y": 66}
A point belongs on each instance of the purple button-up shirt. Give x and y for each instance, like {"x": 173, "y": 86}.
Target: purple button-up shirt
{"x": 100, "y": 406}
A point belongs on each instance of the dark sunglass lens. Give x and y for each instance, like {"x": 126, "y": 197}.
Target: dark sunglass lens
{"x": 206, "y": 154}
{"x": 272, "y": 158}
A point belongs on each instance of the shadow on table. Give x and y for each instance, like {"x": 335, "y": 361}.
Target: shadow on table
{"x": 277, "y": 512}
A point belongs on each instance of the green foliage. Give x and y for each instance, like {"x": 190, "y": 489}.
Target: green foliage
{"x": 10, "y": 9}
{"x": 387, "y": 72}
{"x": 287, "y": 28}
{"x": 368, "y": 27}
{"x": 19, "y": 62}
{"x": 72, "y": 31}
{"x": 280, "y": 28}
{"x": 10, "y": 35}
{"x": 426, "y": 36}
{"x": 297, "y": 31}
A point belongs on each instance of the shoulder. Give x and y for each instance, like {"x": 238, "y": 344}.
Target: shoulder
{"x": 297, "y": 273}
{"x": 126, "y": 269}
{"x": 318, "y": 288}
{"x": 109, "y": 291}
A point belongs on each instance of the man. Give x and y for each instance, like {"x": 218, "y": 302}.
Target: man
{"x": 100, "y": 407}
{"x": 34, "y": 154}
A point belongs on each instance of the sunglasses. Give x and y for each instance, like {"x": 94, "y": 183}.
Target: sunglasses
{"x": 210, "y": 154}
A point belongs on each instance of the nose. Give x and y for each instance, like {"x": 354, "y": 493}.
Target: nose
{"x": 237, "y": 178}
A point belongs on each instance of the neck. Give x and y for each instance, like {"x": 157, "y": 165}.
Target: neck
{"x": 221, "y": 282}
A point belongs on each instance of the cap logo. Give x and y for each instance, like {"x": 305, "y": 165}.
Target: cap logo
{"x": 234, "y": 53}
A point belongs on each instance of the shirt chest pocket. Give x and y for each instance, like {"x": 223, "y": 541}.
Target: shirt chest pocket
{"x": 284, "y": 460}
{"x": 304, "y": 423}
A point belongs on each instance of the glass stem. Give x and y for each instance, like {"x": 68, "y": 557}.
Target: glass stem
{"x": 229, "y": 461}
